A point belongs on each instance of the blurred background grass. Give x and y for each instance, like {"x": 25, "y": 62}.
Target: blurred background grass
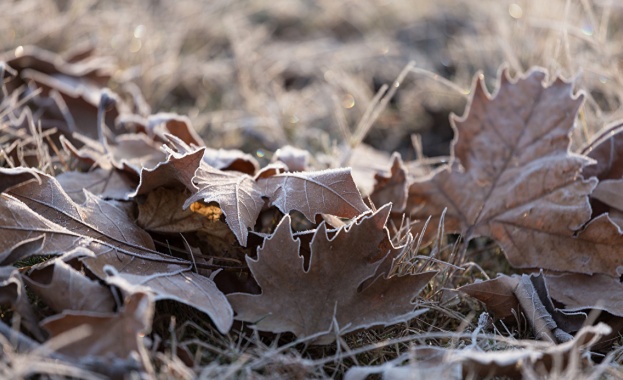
{"x": 260, "y": 74}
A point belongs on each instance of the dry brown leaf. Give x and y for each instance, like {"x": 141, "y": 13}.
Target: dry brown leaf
{"x": 231, "y": 159}
{"x": 109, "y": 184}
{"x": 162, "y": 212}
{"x": 365, "y": 163}
{"x": 393, "y": 188}
{"x": 178, "y": 170}
{"x": 108, "y": 336}
{"x": 296, "y": 160}
{"x": 507, "y": 296}
{"x": 581, "y": 291}
{"x": 21, "y": 249}
{"x": 241, "y": 197}
{"x": 158, "y": 126}
{"x": 13, "y": 294}
{"x": 607, "y": 150}
{"x": 316, "y": 192}
{"x": 327, "y": 294}
{"x": 17, "y": 176}
{"x": 31, "y": 210}
{"x": 63, "y": 287}
{"x": 129, "y": 152}
{"x": 71, "y": 92}
{"x": 512, "y": 178}
{"x": 237, "y": 194}
{"x": 223, "y": 159}
{"x": 533, "y": 361}
{"x": 497, "y": 294}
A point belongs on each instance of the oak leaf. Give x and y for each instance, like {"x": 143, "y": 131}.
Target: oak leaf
{"x": 512, "y": 177}
{"x": 342, "y": 282}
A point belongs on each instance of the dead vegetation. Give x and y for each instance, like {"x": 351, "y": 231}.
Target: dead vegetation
{"x": 201, "y": 189}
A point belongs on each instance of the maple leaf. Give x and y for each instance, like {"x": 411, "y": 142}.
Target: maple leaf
{"x": 392, "y": 188}
{"x": 109, "y": 184}
{"x": 241, "y": 197}
{"x": 305, "y": 301}
{"x": 512, "y": 177}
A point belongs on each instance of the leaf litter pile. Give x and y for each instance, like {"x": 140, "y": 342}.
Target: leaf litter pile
{"x": 119, "y": 226}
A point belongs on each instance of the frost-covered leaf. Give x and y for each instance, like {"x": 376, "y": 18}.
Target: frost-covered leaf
{"x": 159, "y": 125}
{"x": 237, "y": 194}
{"x": 317, "y": 192}
{"x": 296, "y": 160}
{"x": 241, "y": 197}
{"x": 106, "y": 335}
{"x": 110, "y": 184}
{"x": 512, "y": 178}
{"x": 581, "y": 291}
{"x": 497, "y": 294}
{"x": 17, "y": 176}
{"x": 162, "y": 212}
{"x": 392, "y": 188}
{"x": 63, "y": 287}
{"x": 32, "y": 210}
{"x": 508, "y": 296}
{"x": 178, "y": 170}
{"x": 529, "y": 361}
{"x": 307, "y": 301}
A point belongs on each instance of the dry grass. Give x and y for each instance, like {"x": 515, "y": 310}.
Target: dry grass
{"x": 260, "y": 74}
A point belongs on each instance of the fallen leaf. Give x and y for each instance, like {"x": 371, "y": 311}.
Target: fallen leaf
{"x": 507, "y": 296}
{"x": 237, "y": 194}
{"x": 162, "y": 124}
{"x": 241, "y": 197}
{"x": 108, "y": 335}
{"x": 70, "y": 91}
{"x": 32, "y": 210}
{"x": 497, "y": 294}
{"x": 223, "y": 159}
{"x": 581, "y": 292}
{"x": 308, "y": 301}
{"x": 512, "y": 178}
{"x": 178, "y": 170}
{"x": 162, "y": 212}
{"x": 17, "y": 176}
{"x": 606, "y": 149}
{"x": 529, "y": 361}
{"x": 392, "y": 188}
{"x": 365, "y": 163}
{"x": 129, "y": 152}
{"x": 13, "y": 294}
{"x": 109, "y": 184}
{"x": 295, "y": 159}
{"x": 62, "y": 287}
